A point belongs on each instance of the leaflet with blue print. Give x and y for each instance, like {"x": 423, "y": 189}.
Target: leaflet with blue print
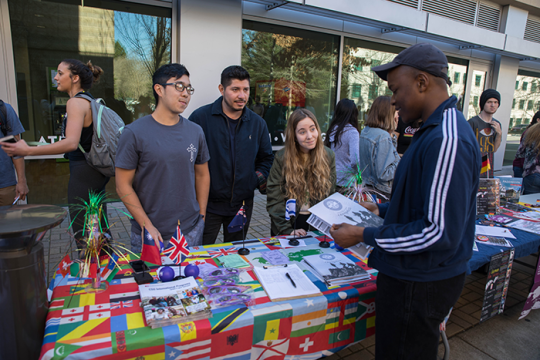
{"x": 335, "y": 269}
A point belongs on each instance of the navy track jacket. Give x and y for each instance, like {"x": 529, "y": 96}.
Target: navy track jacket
{"x": 429, "y": 224}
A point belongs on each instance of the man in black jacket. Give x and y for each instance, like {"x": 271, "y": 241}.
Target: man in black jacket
{"x": 240, "y": 154}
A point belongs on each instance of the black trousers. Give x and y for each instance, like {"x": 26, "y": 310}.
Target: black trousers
{"x": 409, "y": 314}
{"x": 213, "y": 224}
{"x": 82, "y": 179}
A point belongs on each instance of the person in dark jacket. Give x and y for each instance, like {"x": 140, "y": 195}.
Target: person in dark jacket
{"x": 423, "y": 248}
{"x": 240, "y": 154}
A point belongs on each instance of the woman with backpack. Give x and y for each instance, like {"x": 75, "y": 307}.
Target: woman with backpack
{"x": 74, "y": 78}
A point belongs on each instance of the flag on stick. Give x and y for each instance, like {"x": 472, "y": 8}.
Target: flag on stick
{"x": 111, "y": 269}
{"x": 64, "y": 265}
{"x": 178, "y": 249}
{"x": 486, "y": 166}
{"x": 238, "y": 221}
{"x": 151, "y": 249}
{"x": 290, "y": 209}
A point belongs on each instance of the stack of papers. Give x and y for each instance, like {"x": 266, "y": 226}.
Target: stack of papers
{"x": 335, "y": 269}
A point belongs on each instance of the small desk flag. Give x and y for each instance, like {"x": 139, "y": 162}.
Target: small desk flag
{"x": 238, "y": 221}
{"x": 178, "y": 249}
{"x": 290, "y": 209}
{"x": 486, "y": 166}
{"x": 151, "y": 249}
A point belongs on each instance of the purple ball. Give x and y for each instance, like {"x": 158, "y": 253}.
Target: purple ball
{"x": 166, "y": 273}
{"x": 191, "y": 270}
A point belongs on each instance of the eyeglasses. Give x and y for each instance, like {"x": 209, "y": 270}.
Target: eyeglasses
{"x": 180, "y": 87}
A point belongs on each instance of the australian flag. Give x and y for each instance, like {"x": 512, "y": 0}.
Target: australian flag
{"x": 290, "y": 209}
{"x": 238, "y": 221}
{"x": 178, "y": 249}
{"x": 151, "y": 249}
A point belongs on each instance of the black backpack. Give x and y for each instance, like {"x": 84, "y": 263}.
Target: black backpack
{"x": 3, "y": 119}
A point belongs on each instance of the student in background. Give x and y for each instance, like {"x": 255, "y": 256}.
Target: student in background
{"x": 517, "y": 165}
{"x": 11, "y": 187}
{"x": 405, "y": 133}
{"x": 73, "y": 77}
{"x": 378, "y": 154}
{"x": 529, "y": 151}
{"x": 162, "y": 165}
{"x": 304, "y": 170}
{"x": 343, "y": 138}
{"x": 486, "y": 128}
{"x": 240, "y": 151}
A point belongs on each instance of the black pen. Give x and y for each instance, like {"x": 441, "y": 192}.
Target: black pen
{"x": 290, "y": 278}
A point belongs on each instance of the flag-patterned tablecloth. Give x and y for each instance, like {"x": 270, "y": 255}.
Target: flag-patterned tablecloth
{"x": 111, "y": 325}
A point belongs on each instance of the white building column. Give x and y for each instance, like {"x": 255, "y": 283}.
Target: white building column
{"x": 8, "y": 90}
{"x": 504, "y": 81}
{"x": 210, "y": 40}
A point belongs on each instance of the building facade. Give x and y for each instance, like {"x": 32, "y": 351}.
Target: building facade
{"x": 300, "y": 53}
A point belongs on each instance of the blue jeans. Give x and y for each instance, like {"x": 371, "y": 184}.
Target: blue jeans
{"x": 409, "y": 314}
{"x": 518, "y": 171}
{"x": 531, "y": 184}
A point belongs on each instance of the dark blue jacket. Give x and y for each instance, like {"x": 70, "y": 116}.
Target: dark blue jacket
{"x": 429, "y": 224}
{"x": 253, "y": 152}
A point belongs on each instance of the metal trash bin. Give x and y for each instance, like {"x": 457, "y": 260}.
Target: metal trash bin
{"x": 23, "y": 288}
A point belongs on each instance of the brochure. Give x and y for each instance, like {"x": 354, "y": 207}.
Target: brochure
{"x": 510, "y": 189}
{"x": 173, "y": 302}
{"x": 498, "y": 279}
{"x": 488, "y": 197}
{"x": 335, "y": 269}
{"x": 337, "y": 209}
{"x": 525, "y": 225}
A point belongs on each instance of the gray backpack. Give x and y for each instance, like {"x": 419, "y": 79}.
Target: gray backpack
{"x": 107, "y": 129}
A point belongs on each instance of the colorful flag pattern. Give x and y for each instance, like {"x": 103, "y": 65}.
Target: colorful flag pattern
{"x": 486, "y": 166}
{"x": 178, "y": 249}
{"x": 111, "y": 324}
{"x": 290, "y": 209}
{"x": 238, "y": 222}
{"x": 151, "y": 249}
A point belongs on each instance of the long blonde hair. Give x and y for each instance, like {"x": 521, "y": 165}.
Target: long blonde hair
{"x": 532, "y": 138}
{"x": 304, "y": 177}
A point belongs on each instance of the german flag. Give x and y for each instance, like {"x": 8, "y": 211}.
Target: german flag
{"x": 485, "y": 164}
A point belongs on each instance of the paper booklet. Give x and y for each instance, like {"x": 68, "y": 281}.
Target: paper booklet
{"x": 525, "y": 225}
{"x": 173, "y": 302}
{"x": 335, "y": 269}
{"x": 510, "y": 188}
{"x": 488, "y": 197}
{"x": 337, "y": 209}
{"x": 278, "y": 281}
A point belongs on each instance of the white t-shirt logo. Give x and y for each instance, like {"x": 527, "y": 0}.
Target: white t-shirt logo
{"x": 192, "y": 150}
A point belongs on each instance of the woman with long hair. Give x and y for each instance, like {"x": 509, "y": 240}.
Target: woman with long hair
{"x": 304, "y": 170}
{"x": 529, "y": 150}
{"x": 517, "y": 165}
{"x": 72, "y": 77}
{"x": 343, "y": 138}
{"x": 378, "y": 154}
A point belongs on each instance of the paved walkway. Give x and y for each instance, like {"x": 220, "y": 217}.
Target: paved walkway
{"x": 463, "y": 326}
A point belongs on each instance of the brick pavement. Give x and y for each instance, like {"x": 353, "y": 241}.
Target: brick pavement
{"x": 466, "y": 313}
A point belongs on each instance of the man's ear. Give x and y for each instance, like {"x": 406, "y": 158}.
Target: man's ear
{"x": 159, "y": 90}
{"x": 221, "y": 89}
{"x": 422, "y": 81}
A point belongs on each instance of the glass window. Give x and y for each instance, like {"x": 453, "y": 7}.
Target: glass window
{"x": 290, "y": 68}
{"x": 356, "y": 90}
{"x": 127, "y": 40}
{"x": 523, "y": 113}
{"x": 456, "y": 77}
{"x": 475, "y": 101}
{"x": 477, "y": 80}
{"x": 517, "y": 85}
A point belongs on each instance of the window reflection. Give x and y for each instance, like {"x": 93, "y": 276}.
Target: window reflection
{"x": 289, "y": 68}
{"x": 477, "y": 88}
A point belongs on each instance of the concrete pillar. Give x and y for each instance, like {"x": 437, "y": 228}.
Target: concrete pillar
{"x": 8, "y": 91}
{"x": 504, "y": 81}
{"x": 210, "y": 40}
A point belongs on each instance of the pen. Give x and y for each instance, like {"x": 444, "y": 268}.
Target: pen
{"x": 17, "y": 199}
{"x": 290, "y": 278}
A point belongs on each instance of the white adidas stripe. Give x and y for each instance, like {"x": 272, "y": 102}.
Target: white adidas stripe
{"x": 438, "y": 193}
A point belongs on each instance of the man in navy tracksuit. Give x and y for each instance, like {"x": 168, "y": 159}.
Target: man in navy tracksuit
{"x": 423, "y": 248}
{"x": 240, "y": 154}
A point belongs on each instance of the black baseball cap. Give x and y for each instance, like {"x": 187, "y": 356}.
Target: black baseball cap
{"x": 422, "y": 56}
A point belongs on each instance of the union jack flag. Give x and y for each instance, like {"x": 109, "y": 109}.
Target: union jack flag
{"x": 222, "y": 252}
{"x": 120, "y": 304}
{"x": 178, "y": 249}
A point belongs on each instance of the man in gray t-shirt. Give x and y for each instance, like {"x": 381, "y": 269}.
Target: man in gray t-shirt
{"x": 162, "y": 165}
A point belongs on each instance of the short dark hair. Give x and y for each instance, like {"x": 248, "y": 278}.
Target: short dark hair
{"x": 233, "y": 72}
{"x": 164, "y": 73}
